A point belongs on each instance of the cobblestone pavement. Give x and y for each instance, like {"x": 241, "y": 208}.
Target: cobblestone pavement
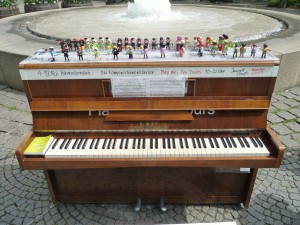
{"x": 24, "y": 197}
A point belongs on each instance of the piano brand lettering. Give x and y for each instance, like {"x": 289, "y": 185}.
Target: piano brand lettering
{"x": 199, "y": 112}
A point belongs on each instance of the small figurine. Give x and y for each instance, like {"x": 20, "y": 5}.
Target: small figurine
{"x": 225, "y": 48}
{"x": 81, "y": 42}
{"x": 186, "y": 41}
{"x": 146, "y": 48}
{"x": 102, "y": 43}
{"x": 75, "y": 44}
{"x": 132, "y": 43}
{"x": 214, "y": 49}
{"x": 208, "y": 43}
{"x": 119, "y": 44}
{"x": 96, "y": 54}
{"x": 242, "y": 50}
{"x": 63, "y": 44}
{"x": 127, "y": 49}
{"x": 52, "y": 53}
{"x": 253, "y": 50}
{"x": 163, "y": 51}
{"x": 130, "y": 52}
{"x": 108, "y": 44}
{"x": 195, "y": 43}
{"x": 161, "y": 42}
{"x": 69, "y": 44}
{"x": 154, "y": 43}
{"x": 66, "y": 54}
{"x": 200, "y": 46}
{"x": 141, "y": 49}
{"x": 178, "y": 42}
{"x": 87, "y": 46}
{"x": 181, "y": 50}
{"x": 235, "y": 50}
{"x": 80, "y": 53}
{"x": 220, "y": 43}
{"x": 138, "y": 43}
{"x": 168, "y": 43}
{"x": 115, "y": 52}
{"x": 126, "y": 42}
{"x": 264, "y": 51}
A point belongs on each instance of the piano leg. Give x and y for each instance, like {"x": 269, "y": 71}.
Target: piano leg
{"x": 162, "y": 206}
{"x": 251, "y": 182}
{"x": 51, "y": 185}
{"x": 137, "y": 207}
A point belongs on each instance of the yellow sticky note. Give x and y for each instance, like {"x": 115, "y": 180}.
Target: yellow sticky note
{"x": 38, "y": 146}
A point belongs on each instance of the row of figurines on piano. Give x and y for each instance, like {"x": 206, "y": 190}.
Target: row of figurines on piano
{"x": 94, "y": 47}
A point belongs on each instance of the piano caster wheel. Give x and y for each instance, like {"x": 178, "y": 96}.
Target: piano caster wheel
{"x": 242, "y": 205}
{"x": 162, "y": 206}
{"x": 137, "y": 207}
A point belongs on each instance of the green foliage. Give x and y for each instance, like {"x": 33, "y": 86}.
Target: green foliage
{"x": 7, "y": 3}
{"x": 289, "y": 3}
{"x": 109, "y": 2}
{"x": 76, "y": 1}
{"x": 40, "y": 2}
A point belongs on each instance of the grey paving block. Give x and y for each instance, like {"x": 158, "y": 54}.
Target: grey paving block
{"x": 295, "y": 111}
{"x": 292, "y": 102}
{"x": 273, "y": 118}
{"x": 287, "y": 94}
{"x": 288, "y": 141}
{"x": 286, "y": 115}
{"x": 281, "y": 129}
{"x": 280, "y": 105}
{"x": 294, "y": 126}
{"x": 278, "y": 97}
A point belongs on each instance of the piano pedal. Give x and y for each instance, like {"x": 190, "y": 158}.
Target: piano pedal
{"x": 162, "y": 206}
{"x": 137, "y": 207}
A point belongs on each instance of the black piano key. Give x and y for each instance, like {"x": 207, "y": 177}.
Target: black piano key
{"x": 228, "y": 142}
{"x": 55, "y": 143}
{"x": 203, "y": 142}
{"x": 144, "y": 143}
{"x": 139, "y": 143}
{"x": 194, "y": 143}
{"x": 126, "y": 144}
{"x": 151, "y": 143}
{"x": 92, "y": 143}
{"x": 259, "y": 142}
{"x": 254, "y": 142}
{"x": 133, "y": 143}
{"x": 79, "y": 144}
{"x": 114, "y": 143}
{"x": 75, "y": 143}
{"x": 156, "y": 143}
{"x": 224, "y": 143}
{"x": 216, "y": 142}
{"x": 181, "y": 143}
{"x": 211, "y": 143}
{"x": 121, "y": 143}
{"x": 233, "y": 142}
{"x": 241, "y": 142}
{"x": 198, "y": 142}
{"x": 186, "y": 143}
{"x": 97, "y": 143}
{"x": 104, "y": 143}
{"x": 246, "y": 142}
{"x": 84, "y": 143}
{"x": 109, "y": 143}
{"x": 169, "y": 143}
{"x": 62, "y": 144}
{"x": 164, "y": 143}
{"x": 173, "y": 143}
{"x": 68, "y": 143}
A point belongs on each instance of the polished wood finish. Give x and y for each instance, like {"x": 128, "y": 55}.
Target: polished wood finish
{"x": 211, "y": 107}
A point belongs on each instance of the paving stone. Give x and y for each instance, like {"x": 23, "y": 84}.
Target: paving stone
{"x": 273, "y": 118}
{"x": 288, "y": 141}
{"x": 286, "y": 115}
{"x": 280, "y": 105}
{"x": 281, "y": 129}
{"x": 294, "y": 126}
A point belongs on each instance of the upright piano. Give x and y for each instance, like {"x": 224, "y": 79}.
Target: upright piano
{"x": 186, "y": 130}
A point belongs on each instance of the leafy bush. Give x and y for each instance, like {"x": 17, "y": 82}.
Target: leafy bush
{"x": 275, "y": 3}
{"x": 76, "y": 1}
{"x": 7, "y": 3}
{"x": 40, "y": 2}
{"x": 108, "y": 2}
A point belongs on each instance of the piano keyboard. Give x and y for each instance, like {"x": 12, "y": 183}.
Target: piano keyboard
{"x": 156, "y": 147}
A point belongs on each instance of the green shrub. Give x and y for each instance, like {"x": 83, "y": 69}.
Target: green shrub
{"x": 76, "y": 1}
{"x": 108, "y": 2}
{"x": 275, "y": 3}
{"x": 7, "y": 3}
{"x": 40, "y": 2}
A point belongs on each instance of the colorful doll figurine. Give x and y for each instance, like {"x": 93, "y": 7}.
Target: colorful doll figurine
{"x": 102, "y": 43}
{"x": 186, "y": 41}
{"x": 115, "y": 52}
{"x": 62, "y": 44}
{"x": 242, "y": 50}
{"x": 225, "y": 48}
{"x": 75, "y": 44}
{"x": 119, "y": 44}
{"x": 168, "y": 43}
{"x": 66, "y": 54}
{"x": 208, "y": 43}
{"x": 235, "y": 50}
{"x": 81, "y": 42}
{"x": 130, "y": 52}
{"x": 80, "y": 53}
{"x": 163, "y": 50}
{"x": 178, "y": 42}
{"x": 181, "y": 50}
{"x": 253, "y": 50}
{"x": 161, "y": 42}
{"x": 154, "y": 43}
{"x": 195, "y": 43}
{"x": 52, "y": 53}
{"x": 87, "y": 46}
{"x": 214, "y": 49}
{"x": 126, "y": 42}
{"x": 264, "y": 51}
{"x": 138, "y": 43}
{"x": 146, "y": 48}
{"x": 127, "y": 49}
{"x": 96, "y": 54}
{"x": 132, "y": 43}
{"x": 69, "y": 44}
{"x": 141, "y": 49}
{"x": 95, "y": 45}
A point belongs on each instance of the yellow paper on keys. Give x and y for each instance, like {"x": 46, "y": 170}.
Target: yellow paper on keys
{"x": 38, "y": 146}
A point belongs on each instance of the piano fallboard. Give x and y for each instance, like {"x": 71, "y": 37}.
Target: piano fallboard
{"x": 152, "y": 149}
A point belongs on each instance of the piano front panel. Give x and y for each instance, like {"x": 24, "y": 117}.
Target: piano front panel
{"x": 206, "y": 119}
{"x": 124, "y": 185}
{"x": 258, "y": 86}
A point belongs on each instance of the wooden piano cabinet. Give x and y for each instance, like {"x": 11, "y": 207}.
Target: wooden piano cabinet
{"x": 175, "y": 185}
